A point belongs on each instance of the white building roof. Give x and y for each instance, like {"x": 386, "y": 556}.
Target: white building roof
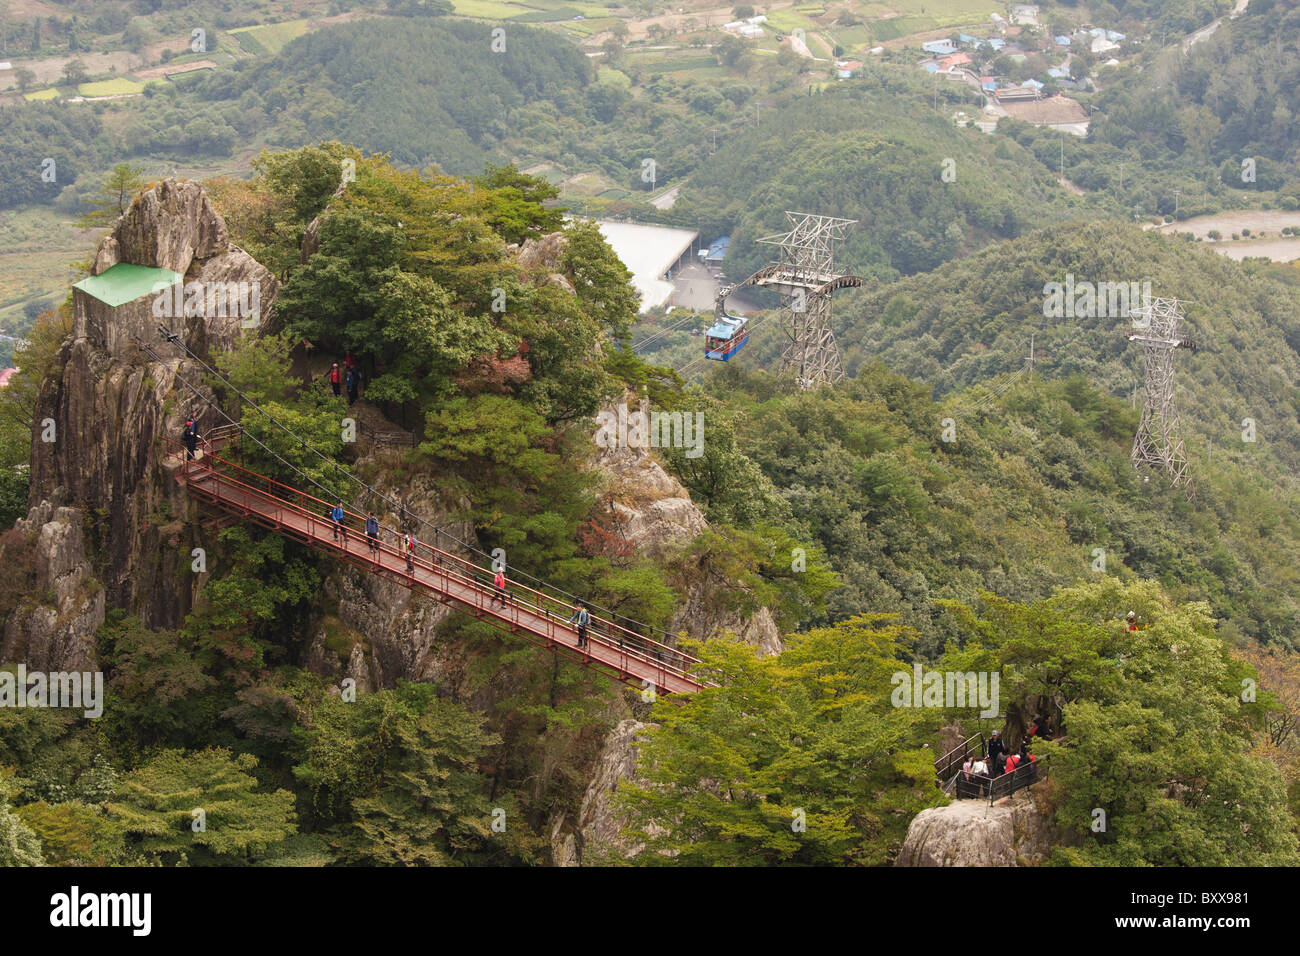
{"x": 648, "y": 252}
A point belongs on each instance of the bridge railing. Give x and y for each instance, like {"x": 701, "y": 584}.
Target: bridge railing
{"x": 976, "y": 787}
{"x": 556, "y": 612}
{"x": 951, "y": 762}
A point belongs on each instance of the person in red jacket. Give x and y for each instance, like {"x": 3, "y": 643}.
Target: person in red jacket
{"x": 336, "y": 380}
{"x": 499, "y": 582}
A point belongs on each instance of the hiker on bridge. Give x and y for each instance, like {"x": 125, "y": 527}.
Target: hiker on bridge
{"x": 336, "y": 516}
{"x": 190, "y": 436}
{"x": 582, "y": 619}
{"x": 372, "y": 533}
{"x": 499, "y": 583}
{"x": 336, "y": 379}
{"x": 408, "y": 545}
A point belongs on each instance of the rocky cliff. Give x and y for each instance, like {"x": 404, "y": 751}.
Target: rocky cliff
{"x": 54, "y": 629}
{"x": 98, "y": 452}
{"x": 654, "y": 514}
{"x": 1015, "y": 831}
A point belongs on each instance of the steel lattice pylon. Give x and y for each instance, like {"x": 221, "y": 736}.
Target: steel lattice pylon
{"x": 1158, "y": 442}
{"x": 804, "y": 276}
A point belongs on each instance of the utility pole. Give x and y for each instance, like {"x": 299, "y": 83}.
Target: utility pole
{"x": 1062, "y": 155}
{"x": 1175, "y": 203}
{"x": 1031, "y": 354}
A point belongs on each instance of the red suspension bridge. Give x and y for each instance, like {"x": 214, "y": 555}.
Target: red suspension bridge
{"x": 448, "y": 578}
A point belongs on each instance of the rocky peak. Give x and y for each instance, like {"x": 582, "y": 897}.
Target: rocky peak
{"x": 111, "y": 403}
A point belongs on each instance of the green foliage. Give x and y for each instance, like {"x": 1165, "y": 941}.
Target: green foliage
{"x": 525, "y": 495}
{"x": 114, "y": 196}
{"x": 516, "y": 203}
{"x": 259, "y": 368}
{"x": 73, "y": 834}
{"x": 19, "y": 845}
{"x": 1156, "y": 734}
{"x": 888, "y": 176}
{"x": 804, "y": 739}
{"x": 268, "y": 578}
{"x": 156, "y": 807}
{"x": 397, "y": 773}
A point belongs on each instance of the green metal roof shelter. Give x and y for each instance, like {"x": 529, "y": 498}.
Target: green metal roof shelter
{"x": 125, "y": 283}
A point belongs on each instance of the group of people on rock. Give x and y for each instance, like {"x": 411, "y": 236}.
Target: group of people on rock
{"x": 349, "y": 377}
{"x": 1000, "y": 759}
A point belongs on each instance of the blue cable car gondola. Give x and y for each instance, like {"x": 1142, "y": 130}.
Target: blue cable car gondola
{"x": 725, "y": 337}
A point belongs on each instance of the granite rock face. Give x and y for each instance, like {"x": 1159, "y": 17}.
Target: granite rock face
{"x": 101, "y": 420}
{"x": 1013, "y": 832}
{"x": 55, "y": 629}
{"x": 655, "y": 515}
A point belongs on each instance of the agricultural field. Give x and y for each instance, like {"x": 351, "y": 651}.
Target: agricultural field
{"x": 37, "y": 244}
{"x": 119, "y": 86}
{"x": 269, "y": 38}
{"x": 491, "y": 9}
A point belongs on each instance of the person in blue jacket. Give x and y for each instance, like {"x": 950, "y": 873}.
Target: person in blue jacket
{"x": 336, "y": 515}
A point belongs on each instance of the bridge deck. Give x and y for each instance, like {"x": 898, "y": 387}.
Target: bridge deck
{"x": 447, "y": 577}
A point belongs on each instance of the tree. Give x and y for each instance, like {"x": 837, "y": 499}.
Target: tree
{"x": 4, "y": 26}
{"x": 419, "y": 798}
{"x": 25, "y": 78}
{"x": 794, "y": 759}
{"x": 75, "y": 71}
{"x": 742, "y": 12}
{"x": 75, "y": 834}
{"x": 19, "y": 845}
{"x": 516, "y": 203}
{"x": 114, "y": 196}
{"x": 1155, "y": 731}
{"x": 201, "y": 806}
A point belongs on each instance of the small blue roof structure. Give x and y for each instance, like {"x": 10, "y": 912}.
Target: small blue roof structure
{"x": 997, "y": 43}
{"x": 989, "y": 84}
{"x": 939, "y": 46}
{"x": 1062, "y": 41}
{"x": 718, "y": 249}
{"x": 1113, "y": 36}
{"x": 1034, "y": 83}
{"x": 966, "y": 38}
{"x": 1058, "y": 73}
{"x": 930, "y": 67}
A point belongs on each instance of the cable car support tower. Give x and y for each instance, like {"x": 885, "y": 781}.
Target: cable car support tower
{"x": 804, "y": 276}
{"x": 1159, "y": 443}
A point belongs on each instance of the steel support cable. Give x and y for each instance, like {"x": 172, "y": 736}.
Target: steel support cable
{"x": 664, "y": 331}
{"x": 398, "y": 507}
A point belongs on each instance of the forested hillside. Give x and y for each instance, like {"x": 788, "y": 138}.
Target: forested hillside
{"x": 963, "y": 500}
{"x": 922, "y": 189}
